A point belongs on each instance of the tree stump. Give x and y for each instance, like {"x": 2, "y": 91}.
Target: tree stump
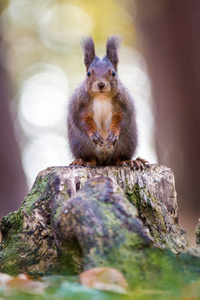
{"x": 75, "y": 218}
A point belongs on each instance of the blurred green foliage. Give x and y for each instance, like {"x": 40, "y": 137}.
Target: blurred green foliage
{"x": 60, "y": 287}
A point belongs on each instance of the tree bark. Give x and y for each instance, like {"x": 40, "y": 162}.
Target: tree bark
{"x": 59, "y": 226}
{"x": 13, "y": 186}
{"x": 168, "y": 32}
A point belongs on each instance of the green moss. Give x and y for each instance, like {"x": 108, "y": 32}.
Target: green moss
{"x": 133, "y": 195}
{"x": 147, "y": 212}
{"x": 38, "y": 193}
{"x": 71, "y": 259}
{"x": 12, "y": 222}
{"x": 64, "y": 196}
{"x": 15, "y": 237}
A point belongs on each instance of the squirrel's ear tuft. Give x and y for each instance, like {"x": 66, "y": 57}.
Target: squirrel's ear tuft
{"x": 88, "y": 51}
{"x": 112, "y": 48}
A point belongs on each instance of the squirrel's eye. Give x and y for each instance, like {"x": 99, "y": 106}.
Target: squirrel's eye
{"x": 113, "y": 73}
{"x": 88, "y": 73}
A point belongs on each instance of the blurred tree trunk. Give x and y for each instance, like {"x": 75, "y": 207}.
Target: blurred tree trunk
{"x": 12, "y": 180}
{"x": 169, "y": 32}
{"x": 13, "y": 187}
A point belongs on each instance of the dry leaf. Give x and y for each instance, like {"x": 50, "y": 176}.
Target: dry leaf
{"x": 106, "y": 279}
{"x": 191, "y": 291}
{"x": 21, "y": 283}
{"x": 4, "y": 278}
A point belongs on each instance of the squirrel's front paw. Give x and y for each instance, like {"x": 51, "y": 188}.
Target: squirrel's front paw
{"x": 97, "y": 138}
{"x": 111, "y": 139}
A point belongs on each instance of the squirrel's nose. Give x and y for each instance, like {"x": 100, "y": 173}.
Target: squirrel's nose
{"x": 100, "y": 84}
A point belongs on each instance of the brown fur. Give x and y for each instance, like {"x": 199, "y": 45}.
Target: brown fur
{"x": 101, "y": 84}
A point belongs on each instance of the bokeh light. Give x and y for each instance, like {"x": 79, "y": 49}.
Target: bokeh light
{"x": 42, "y": 115}
{"x": 63, "y": 25}
{"x": 43, "y": 101}
{"x": 45, "y": 64}
{"x": 48, "y": 149}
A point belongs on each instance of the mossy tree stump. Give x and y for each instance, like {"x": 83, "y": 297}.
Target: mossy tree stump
{"x": 75, "y": 218}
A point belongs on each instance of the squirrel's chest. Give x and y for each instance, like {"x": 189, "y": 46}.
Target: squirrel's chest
{"x": 102, "y": 114}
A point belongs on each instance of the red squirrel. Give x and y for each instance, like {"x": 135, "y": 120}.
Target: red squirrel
{"x": 102, "y": 128}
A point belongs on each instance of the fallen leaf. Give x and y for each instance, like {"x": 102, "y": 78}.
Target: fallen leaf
{"x": 106, "y": 279}
{"x": 191, "y": 291}
{"x": 4, "y": 278}
{"x": 21, "y": 283}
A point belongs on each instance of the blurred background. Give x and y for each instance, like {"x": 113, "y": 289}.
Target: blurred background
{"x": 41, "y": 65}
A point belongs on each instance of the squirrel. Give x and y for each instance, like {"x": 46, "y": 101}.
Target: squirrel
{"x": 101, "y": 120}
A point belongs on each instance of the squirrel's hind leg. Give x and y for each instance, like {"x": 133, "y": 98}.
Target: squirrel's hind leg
{"x": 137, "y": 164}
{"x": 80, "y": 162}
